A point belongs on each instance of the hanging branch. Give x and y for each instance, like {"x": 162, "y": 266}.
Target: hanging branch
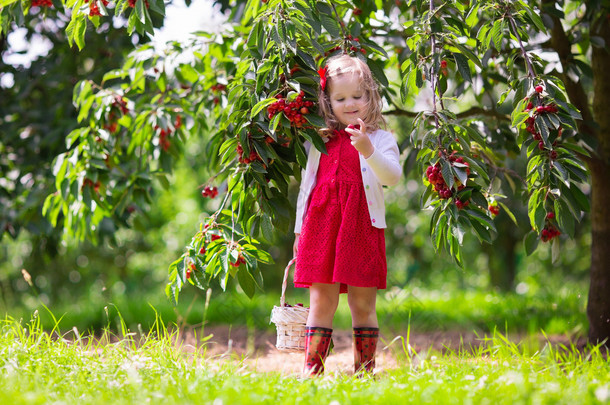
{"x": 530, "y": 68}
{"x": 433, "y": 73}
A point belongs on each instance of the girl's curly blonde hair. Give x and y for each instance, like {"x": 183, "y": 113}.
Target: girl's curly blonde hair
{"x": 345, "y": 64}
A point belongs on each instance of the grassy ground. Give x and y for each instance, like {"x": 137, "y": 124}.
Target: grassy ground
{"x": 555, "y": 310}
{"x": 38, "y": 367}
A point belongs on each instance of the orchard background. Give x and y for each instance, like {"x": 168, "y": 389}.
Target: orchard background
{"x": 112, "y": 148}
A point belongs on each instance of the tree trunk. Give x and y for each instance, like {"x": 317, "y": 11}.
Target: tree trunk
{"x": 598, "y": 307}
{"x": 501, "y": 256}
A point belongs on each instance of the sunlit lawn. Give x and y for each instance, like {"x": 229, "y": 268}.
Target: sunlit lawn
{"x": 47, "y": 356}
{"x": 40, "y": 367}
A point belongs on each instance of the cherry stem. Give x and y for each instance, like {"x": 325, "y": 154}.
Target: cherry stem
{"x": 530, "y": 68}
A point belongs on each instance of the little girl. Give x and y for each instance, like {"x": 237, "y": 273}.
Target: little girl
{"x": 339, "y": 233}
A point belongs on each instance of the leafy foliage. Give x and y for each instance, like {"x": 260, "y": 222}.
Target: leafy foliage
{"x": 135, "y": 121}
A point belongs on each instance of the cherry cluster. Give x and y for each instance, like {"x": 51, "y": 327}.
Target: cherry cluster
{"x": 94, "y": 9}
{"x": 290, "y": 306}
{"x": 355, "y": 48}
{"x": 435, "y": 177}
{"x": 217, "y": 88}
{"x": 252, "y": 157}
{"x": 330, "y": 51}
{"x": 210, "y": 192}
{"x": 240, "y": 260}
{"x": 531, "y": 121}
{"x": 294, "y": 110}
{"x": 164, "y": 133}
{"x": 118, "y": 106}
{"x": 89, "y": 183}
{"x": 292, "y": 71}
{"x": 549, "y": 232}
{"x": 42, "y": 3}
{"x": 191, "y": 269}
{"x": 444, "y": 71}
{"x": 132, "y": 3}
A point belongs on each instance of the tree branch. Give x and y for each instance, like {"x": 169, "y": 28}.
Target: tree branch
{"x": 471, "y": 112}
{"x": 561, "y": 44}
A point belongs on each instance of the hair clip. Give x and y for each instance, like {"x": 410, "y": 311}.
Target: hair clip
{"x": 322, "y": 72}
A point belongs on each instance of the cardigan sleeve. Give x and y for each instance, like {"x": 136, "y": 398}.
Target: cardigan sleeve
{"x": 385, "y": 160}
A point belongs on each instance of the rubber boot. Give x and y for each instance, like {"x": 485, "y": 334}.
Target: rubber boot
{"x": 317, "y": 343}
{"x": 365, "y": 345}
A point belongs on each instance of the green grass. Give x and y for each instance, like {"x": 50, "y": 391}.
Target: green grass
{"x": 38, "y": 366}
{"x": 558, "y": 310}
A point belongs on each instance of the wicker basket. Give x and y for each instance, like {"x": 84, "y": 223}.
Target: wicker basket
{"x": 289, "y": 321}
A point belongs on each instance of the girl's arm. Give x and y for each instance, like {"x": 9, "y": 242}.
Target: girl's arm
{"x": 295, "y": 245}
{"x": 385, "y": 160}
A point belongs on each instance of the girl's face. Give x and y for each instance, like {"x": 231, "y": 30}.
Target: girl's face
{"x": 347, "y": 99}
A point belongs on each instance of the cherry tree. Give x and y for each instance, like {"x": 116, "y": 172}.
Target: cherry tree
{"x": 508, "y": 80}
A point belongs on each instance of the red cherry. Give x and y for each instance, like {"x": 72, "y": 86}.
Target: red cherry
{"x": 443, "y": 64}
{"x": 550, "y": 215}
{"x": 538, "y": 89}
{"x": 541, "y": 145}
{"x": 202, "y": 251}
{"x": 304, "y": 110}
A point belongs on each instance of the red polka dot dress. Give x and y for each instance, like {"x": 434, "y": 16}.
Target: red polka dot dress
{"x": 338, "y": 244}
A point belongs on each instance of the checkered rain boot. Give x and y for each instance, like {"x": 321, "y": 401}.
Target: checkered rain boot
{"x": 365, "y": 345}
{"x": 317, "y": 343}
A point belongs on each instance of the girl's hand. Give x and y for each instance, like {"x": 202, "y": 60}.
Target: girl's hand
{"x": 295, "y": 246}
{"x": 360, "y": 139}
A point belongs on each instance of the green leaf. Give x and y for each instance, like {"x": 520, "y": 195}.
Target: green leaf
{"x": 519, "y": 118}
{"x": 496, "y": 34}
{"x": 139, "y": 9}
{"x": 481, "y": 232}
{"x": 536, "y": 19}
{"x": 4, "y": 3}
{"x": 378, "y": 72}
{"x": 565, "y": 220}
{"x": 462, "y": 64}
{"x": 77, "y": 30}
{"x": 300, "y": 154}
{"x": 330, "y": 24}
{"x": 246, "y": 282}
{"x": 482, "y": 219}
{"x": 267, "y": 228}
{"x": 555, "y": 250}
{"x": 447, "y": 173}
{"x": 530, "y": 242}
{"x": 472, "y": 17}
{"x": 509, "y": 213}
{"x": 260, "y": 105}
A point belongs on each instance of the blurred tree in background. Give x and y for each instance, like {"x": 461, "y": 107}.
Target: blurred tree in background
{"x": 144, "y": 115}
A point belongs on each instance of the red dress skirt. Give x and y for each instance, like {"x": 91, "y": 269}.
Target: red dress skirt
{"x": 338, "y": 244}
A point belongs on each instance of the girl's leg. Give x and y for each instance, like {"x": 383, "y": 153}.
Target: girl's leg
{"x": 324, "y": 299}
{"x": 362, "y": 302}
{"x": 323, "y": 302}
